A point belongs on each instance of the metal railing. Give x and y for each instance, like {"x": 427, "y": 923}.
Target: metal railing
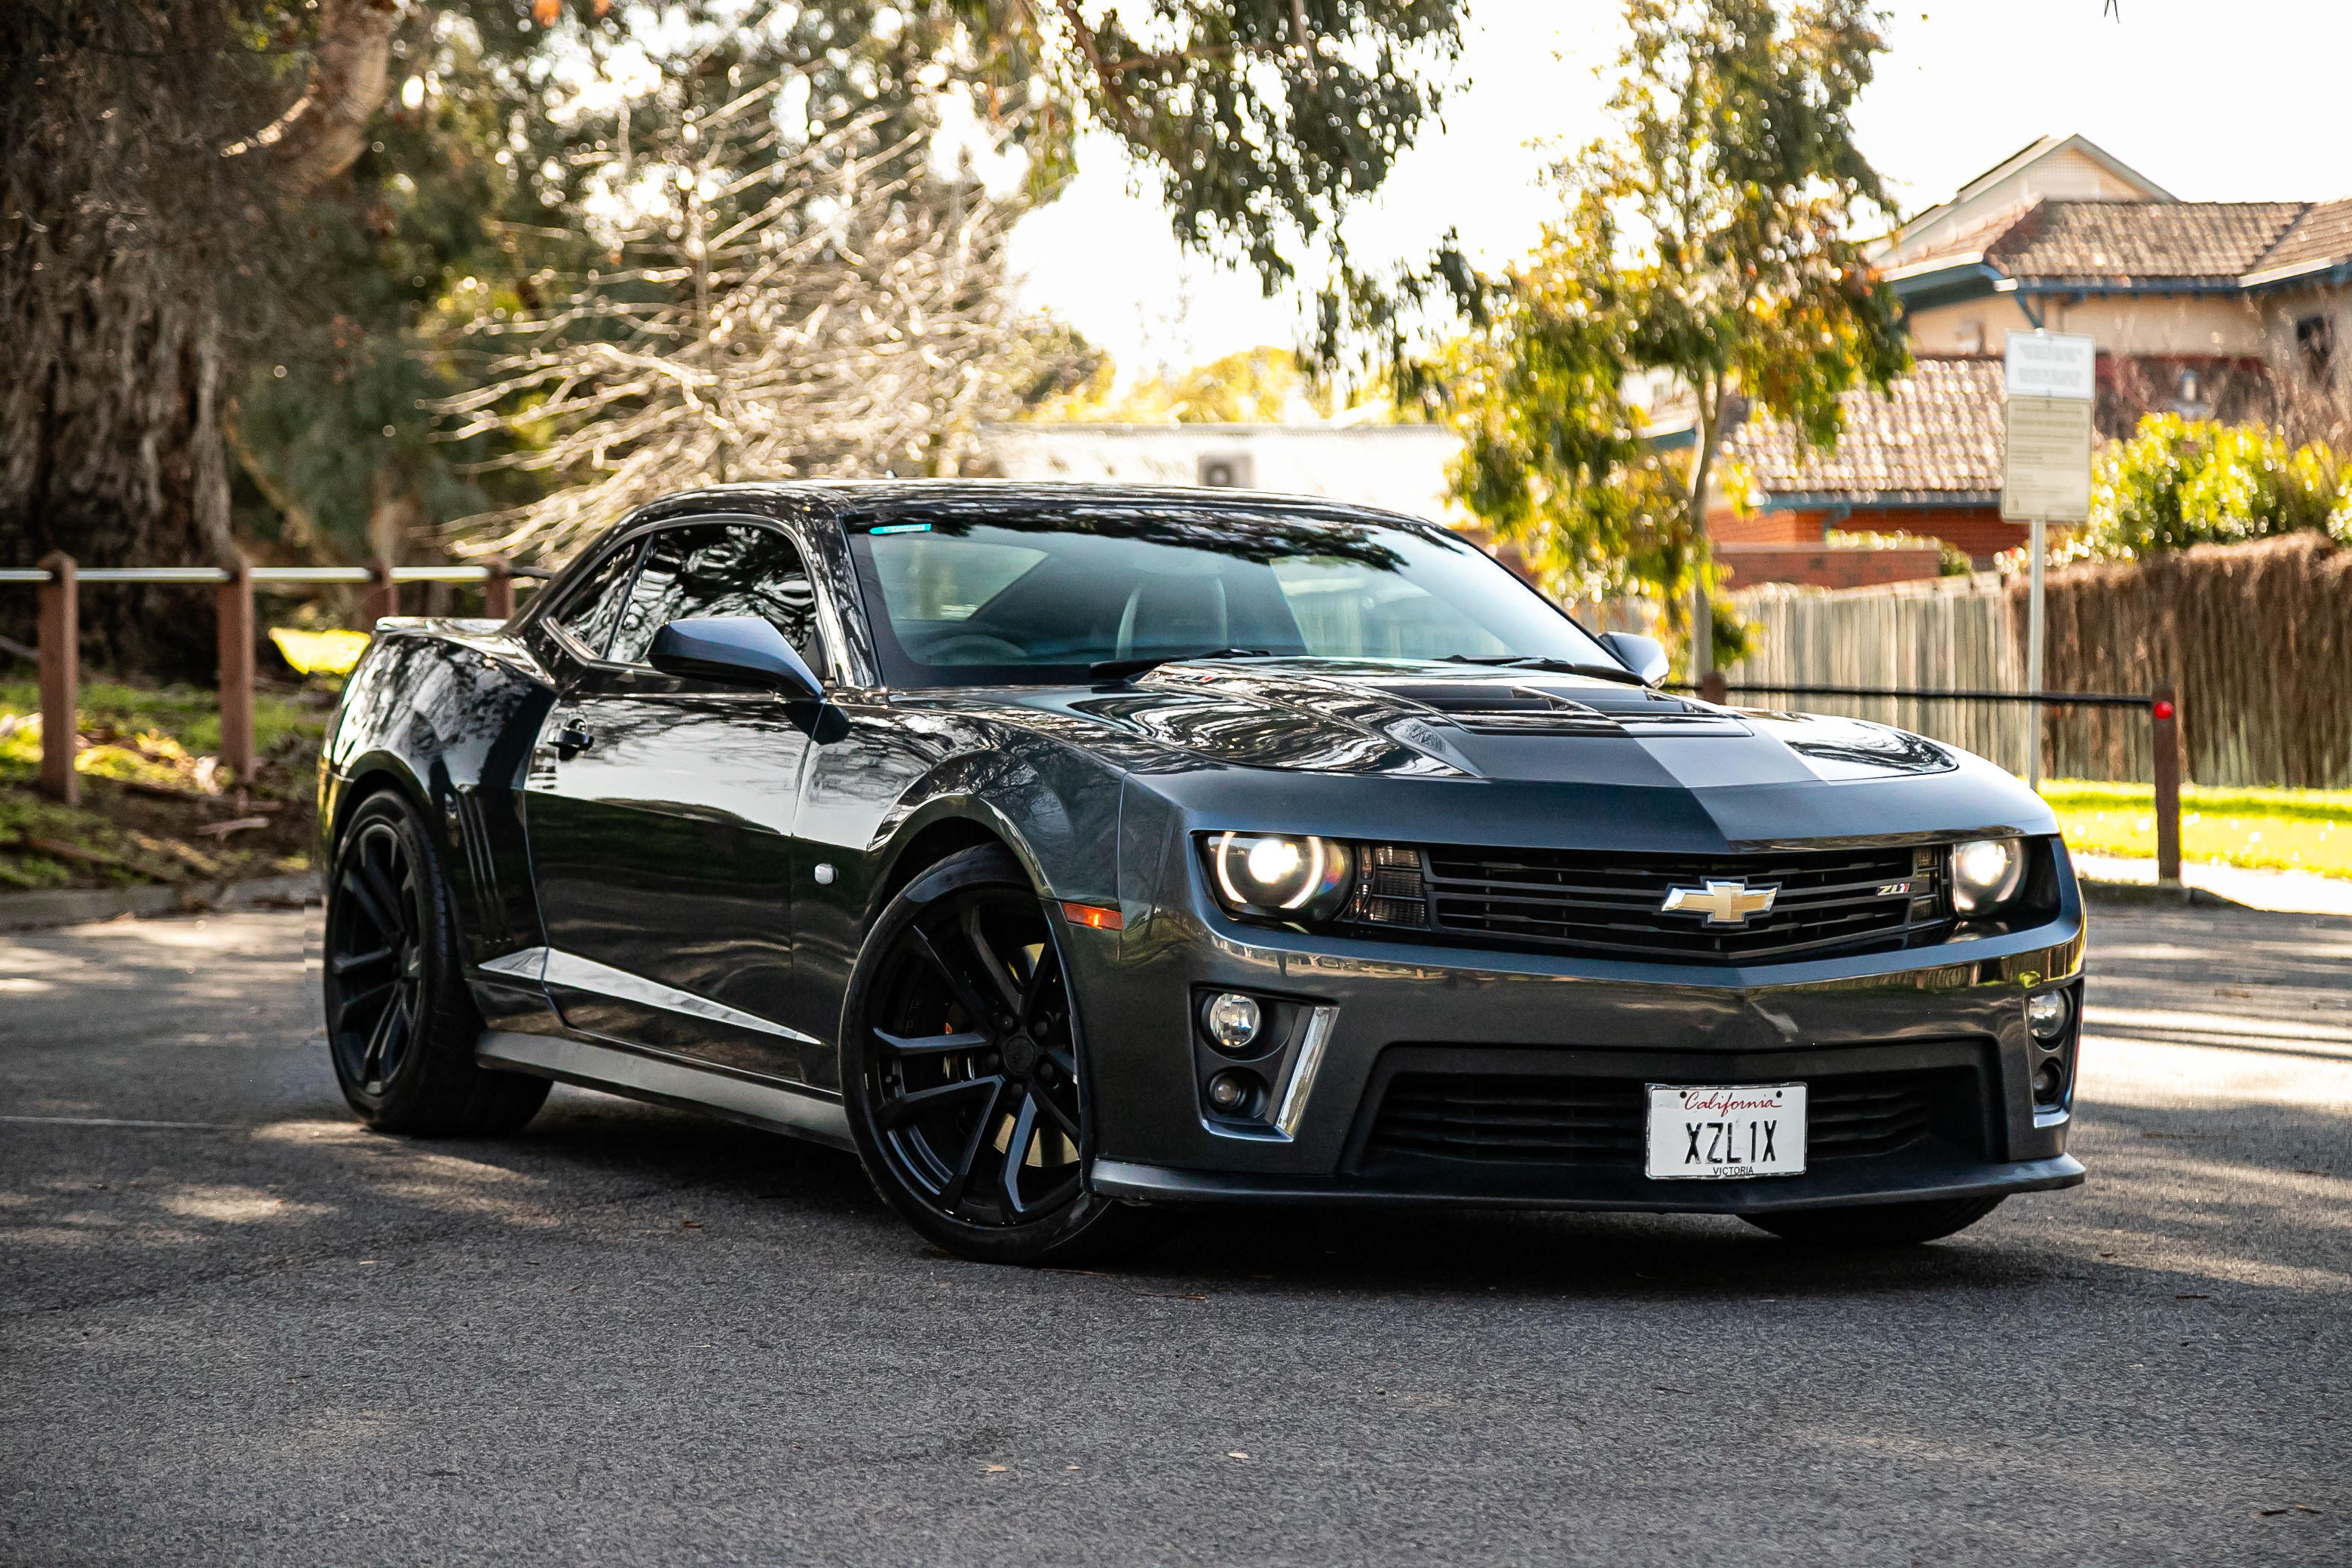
{"x": 59, "y": 579}
{"x": 2163, "y": 708}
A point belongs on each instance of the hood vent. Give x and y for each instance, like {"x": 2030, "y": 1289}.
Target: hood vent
{"x": 1500, "y": 709}
{"x": 1522, "y": 708}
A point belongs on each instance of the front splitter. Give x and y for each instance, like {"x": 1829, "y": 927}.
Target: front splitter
{"x": 1824, "y": 1188}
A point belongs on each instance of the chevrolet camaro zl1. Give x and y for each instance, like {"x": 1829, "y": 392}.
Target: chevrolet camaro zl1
{"x": 1081, "y": 856}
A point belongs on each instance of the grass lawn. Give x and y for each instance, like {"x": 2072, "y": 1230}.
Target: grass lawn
{"x": 156, "y": 806}
{"x": 2277, "y": 829}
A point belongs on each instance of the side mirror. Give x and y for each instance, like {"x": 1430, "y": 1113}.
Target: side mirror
{"x": 1642, "y": 656}
{"x": 734, "y": 650}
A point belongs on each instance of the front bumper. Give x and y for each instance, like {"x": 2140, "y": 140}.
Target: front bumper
{"x": 1894, "y": 1181}
{"x": 1943, "y": 1026}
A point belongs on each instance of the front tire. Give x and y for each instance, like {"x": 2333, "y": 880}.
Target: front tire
{"x": 400, "y": 1023}
{"x": 963, "y": 1065}
{"x": 1876, "y": 1225}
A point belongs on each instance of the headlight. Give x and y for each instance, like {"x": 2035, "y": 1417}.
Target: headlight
{"x": 1279, "y": 876}
{"x": 1986, "y": 874}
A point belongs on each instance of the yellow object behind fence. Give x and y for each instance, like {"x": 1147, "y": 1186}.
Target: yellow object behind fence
{"x": 320, "y": 653}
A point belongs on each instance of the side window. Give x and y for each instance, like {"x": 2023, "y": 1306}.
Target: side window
{"x": 592, "y": 608}
{"x": 721, "y": 569}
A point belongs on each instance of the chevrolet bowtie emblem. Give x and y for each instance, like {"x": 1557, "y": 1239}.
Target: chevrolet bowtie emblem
{"x": 1724, "y": 903}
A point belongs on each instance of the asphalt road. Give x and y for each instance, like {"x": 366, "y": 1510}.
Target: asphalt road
{"x": 630, "y": 1336}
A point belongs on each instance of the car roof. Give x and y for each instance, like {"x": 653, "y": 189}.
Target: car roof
{"x": 845, "y": 497}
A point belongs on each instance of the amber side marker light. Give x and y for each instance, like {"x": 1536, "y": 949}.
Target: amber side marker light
{"x": 1100, "y": 917}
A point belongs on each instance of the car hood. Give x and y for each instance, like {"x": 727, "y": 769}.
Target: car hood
{"x": 1444, "y": 719}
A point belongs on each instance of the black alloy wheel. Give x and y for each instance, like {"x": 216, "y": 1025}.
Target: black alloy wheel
{"x": 963, "y": 1062}
{"x": 401, "y": 1027}
{"x": 374, "y": 978}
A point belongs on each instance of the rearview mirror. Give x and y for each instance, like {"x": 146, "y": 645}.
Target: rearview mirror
{"x": 1642, "y": 656}
{"x": 735, "y": 650}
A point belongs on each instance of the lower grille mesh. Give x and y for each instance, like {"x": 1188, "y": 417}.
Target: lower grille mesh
{"x": 1535, "y": 1119}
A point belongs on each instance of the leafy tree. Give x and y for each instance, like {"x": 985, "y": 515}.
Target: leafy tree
{"x": 147, "y": 149}
{"x": 1703, "y": 267}
{"x": 2179, "y": 482}
{"x": 150, "y": 287}
{"x": 1259, "y": 386}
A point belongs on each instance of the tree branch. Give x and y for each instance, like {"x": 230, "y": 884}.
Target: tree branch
{"x": 326, "y": 129}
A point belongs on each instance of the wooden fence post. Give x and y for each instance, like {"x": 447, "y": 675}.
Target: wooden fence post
{"x": 2163, "y": 715}
{"x": 383, "y": 594}
{"x": 1713, "y": 688}
{"x": 235, "y": 602}
{"x": 498, "y": 589}
{"x": 60, "y": 649}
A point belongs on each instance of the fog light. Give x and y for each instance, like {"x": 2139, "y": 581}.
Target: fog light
{"x": 2046, "y": 1015}
{"x": 1233, "y": 1022}
{"x": 1231, "y": 1093}
{"x": 2049, "y": 1084}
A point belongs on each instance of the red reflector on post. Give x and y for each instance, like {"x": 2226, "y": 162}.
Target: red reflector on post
{"x": 1100, "y": 917}
{"x": 2163, "y": 709}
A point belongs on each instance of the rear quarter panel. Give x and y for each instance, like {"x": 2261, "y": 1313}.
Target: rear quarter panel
{"x": 447, "y": 712}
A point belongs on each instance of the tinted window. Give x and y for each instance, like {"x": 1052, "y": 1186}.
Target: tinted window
{"x": 1039, "y": 598}
{"x": 589, "y": 611}
{"x": 720, "y": 569}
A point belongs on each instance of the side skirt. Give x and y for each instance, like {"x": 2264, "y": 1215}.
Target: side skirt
{"x": 802, "y": 1114}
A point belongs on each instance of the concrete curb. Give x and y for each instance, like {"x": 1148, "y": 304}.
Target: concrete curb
{"x": 2099, "y": 892}
{"x": 74, "y": 906}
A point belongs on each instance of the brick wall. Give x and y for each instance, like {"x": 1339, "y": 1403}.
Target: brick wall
{"x": 1978, "y": 530}
{"x": 1819, "y": 566}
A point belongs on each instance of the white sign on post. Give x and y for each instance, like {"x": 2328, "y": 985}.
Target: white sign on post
{"x": 2053, "y": 365}
{"x": 2045, "y": 459}
{"x": 2045, "y": 468}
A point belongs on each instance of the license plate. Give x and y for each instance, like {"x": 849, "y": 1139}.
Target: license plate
{"x": 1725, "y": 1133}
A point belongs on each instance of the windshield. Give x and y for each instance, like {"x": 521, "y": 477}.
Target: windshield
{"x": 1032, "y": 599}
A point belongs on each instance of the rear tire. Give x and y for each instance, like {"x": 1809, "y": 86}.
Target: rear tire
{"x": 1876, "y": 1225}
{"x": 962, "y": 1071}
{"x": 401, "y": 1027}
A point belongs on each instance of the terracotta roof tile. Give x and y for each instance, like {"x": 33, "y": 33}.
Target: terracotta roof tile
{"x": 2323, "y": 234}
{"x": 1937, "y": 435}
{"x": 2216, "y": 240}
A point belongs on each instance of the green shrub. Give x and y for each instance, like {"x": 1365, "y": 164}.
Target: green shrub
{"x": 2179, "y": 482}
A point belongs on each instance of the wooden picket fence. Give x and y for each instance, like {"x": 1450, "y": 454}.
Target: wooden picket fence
{"x": 59, "y": 580}
{"x": 2255, "y": 637}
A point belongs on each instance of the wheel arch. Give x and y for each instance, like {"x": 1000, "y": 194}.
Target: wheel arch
{"x": 943, "y": 826}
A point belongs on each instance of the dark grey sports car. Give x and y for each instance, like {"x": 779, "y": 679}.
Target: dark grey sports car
{"x": 1081, "y": 855}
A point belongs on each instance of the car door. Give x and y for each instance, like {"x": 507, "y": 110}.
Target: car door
{"x": 662, "y": 813}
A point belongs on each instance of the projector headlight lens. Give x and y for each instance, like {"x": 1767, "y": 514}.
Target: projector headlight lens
{"x": 1279, "y": 876}
{"x": 1986, "y": 874}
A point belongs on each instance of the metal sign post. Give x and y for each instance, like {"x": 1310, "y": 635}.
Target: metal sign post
{"x": 2045, "y": 468}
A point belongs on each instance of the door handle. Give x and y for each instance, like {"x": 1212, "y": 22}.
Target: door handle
{"x": 572, "y": 739}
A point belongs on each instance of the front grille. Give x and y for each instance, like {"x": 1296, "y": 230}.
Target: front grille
{"x": 1511, "y": 1119}
{"x": 1824, "y": 903}
{"x": 1517, "y": 1119}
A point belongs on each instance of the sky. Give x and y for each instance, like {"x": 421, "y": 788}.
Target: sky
{"x": 2213, "y": 102}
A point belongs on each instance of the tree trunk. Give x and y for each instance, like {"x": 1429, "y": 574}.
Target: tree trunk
{"x": 135, "y": 247}
{"x": 113, "y": 454}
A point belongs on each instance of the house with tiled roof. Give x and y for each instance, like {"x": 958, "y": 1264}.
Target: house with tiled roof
{"x": 2206, "y": 309}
